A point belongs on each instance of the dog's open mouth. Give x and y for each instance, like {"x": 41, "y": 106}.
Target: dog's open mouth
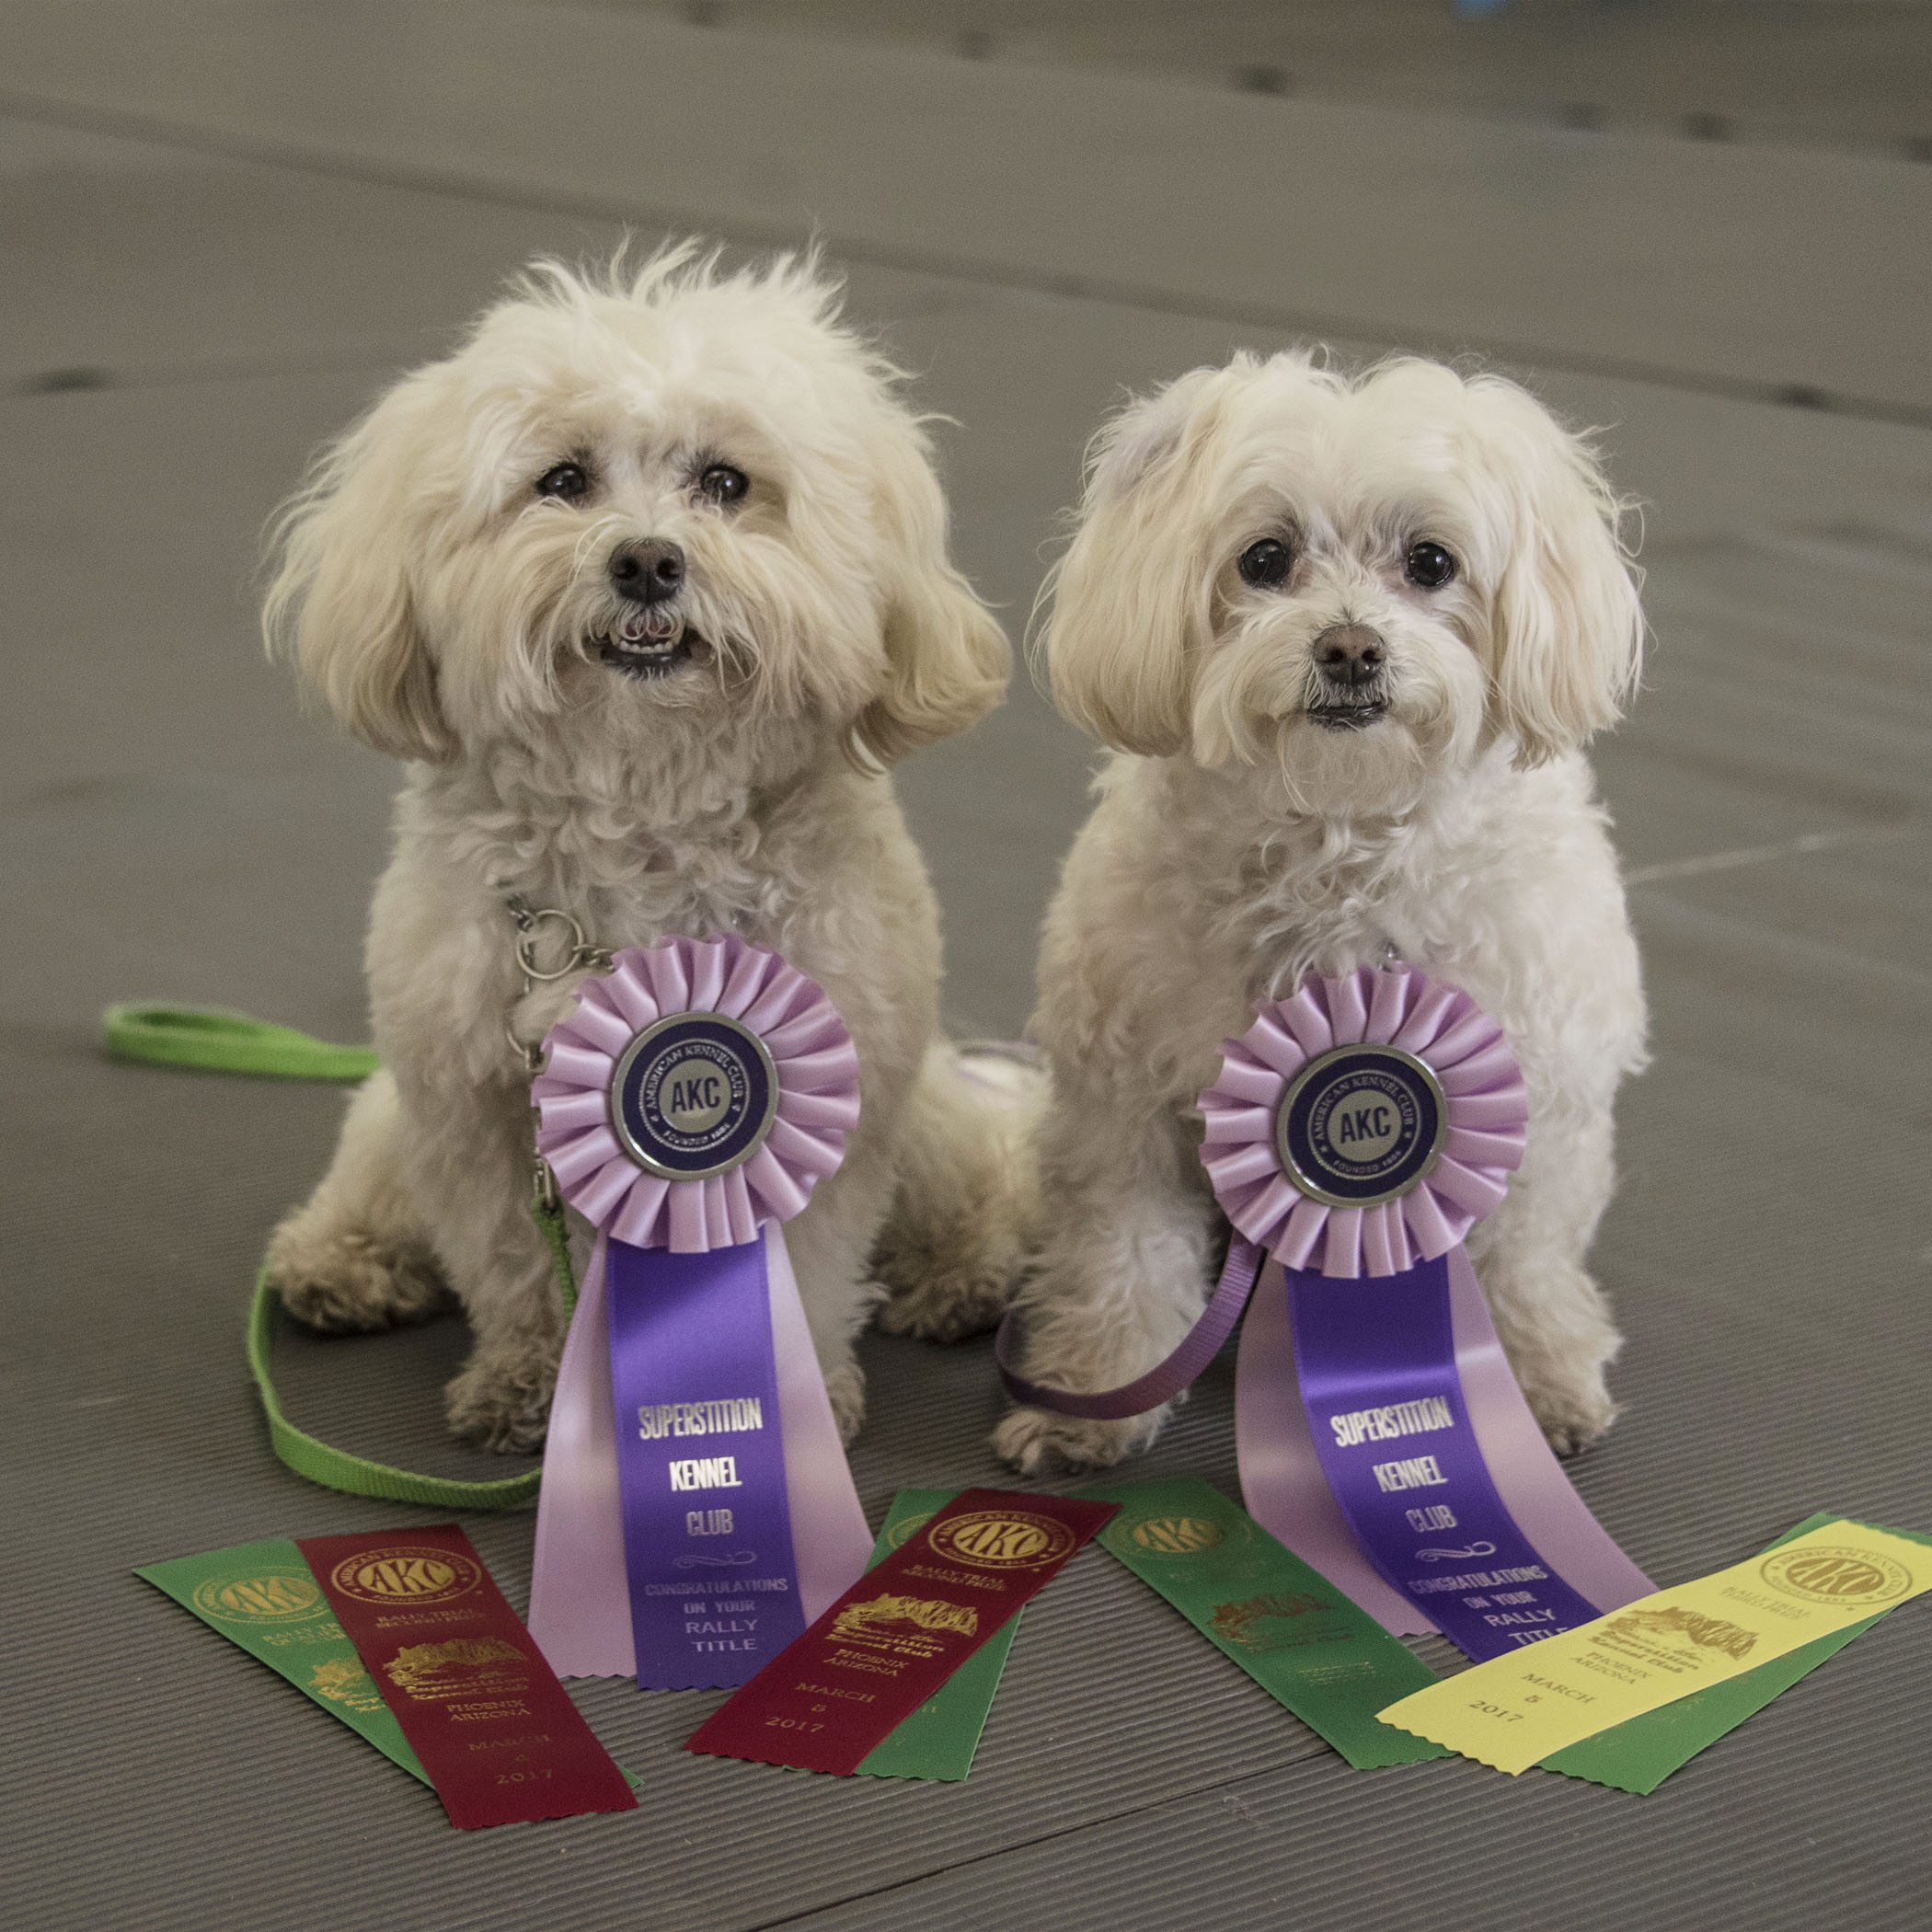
{"x": 1347, "y": 715}
{"x": 647, "y": 640}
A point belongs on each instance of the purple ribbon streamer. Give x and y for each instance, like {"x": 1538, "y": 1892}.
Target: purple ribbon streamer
{"x": 580, "y": 1604}
{"x": 1376, "y": 1359}
{"x": 708, "y": 1532}
{"x": 1285, "y": 1480}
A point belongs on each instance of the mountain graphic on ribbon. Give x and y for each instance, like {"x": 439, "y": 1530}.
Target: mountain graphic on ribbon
{"x": 696, "y": 1512}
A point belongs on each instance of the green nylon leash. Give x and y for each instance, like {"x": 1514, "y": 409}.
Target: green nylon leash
{"x": 217, "y": 1041}
{"x": 335, "y": 1468}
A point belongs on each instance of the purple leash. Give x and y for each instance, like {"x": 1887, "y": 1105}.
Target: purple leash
{"x": 1165, "y": 1379}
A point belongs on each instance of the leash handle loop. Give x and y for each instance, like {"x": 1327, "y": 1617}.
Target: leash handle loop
{"x": 216, "y": 1041}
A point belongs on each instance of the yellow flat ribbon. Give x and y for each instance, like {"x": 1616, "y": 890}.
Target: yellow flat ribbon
{"x": 1515, "y": 1710}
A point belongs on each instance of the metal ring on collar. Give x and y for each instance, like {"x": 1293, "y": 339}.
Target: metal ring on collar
{"x": 527, "y": 942}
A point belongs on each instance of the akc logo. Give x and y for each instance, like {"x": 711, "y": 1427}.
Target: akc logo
{"x": 1002, "y": 1540}
{"x": 406, "y": 1575}
{"x": 693, "y": 1095}
{"x": 1836, "y": 1576}
{"x": 1171, "y": 1536}
{"x": 1360, "y": 1125}
{"x": 271, "y": 1597}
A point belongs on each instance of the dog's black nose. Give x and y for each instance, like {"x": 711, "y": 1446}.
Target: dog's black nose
{"x": 648, "y": 571}
{"x": 1350, "y": 653}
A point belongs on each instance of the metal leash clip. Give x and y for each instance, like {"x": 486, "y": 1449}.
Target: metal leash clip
{"x": 582, "y": 957}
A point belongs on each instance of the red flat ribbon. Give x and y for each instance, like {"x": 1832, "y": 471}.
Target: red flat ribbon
{"x": 887, "y": 1645}
{"x": 496, "y": 1732}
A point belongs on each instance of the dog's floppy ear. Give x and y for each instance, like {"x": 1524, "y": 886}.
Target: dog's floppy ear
{"x": 1132, "y": 597}
{"x": 1567, "y": 623}
{"x": 946, "y": 660}
{"x": 339, "y": 604}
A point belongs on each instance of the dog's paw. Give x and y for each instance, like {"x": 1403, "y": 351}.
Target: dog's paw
{"x": 350, "y": 1283}
{"x": 948, "y": 1281}
{"x": 501, "y": 1403}
{"x": 950, "y": 1306}
{"x": 1036, "y": 1442}
{"x": 1572, "y": 1415}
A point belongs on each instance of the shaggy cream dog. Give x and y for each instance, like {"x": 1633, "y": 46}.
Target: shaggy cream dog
{"x": 648, "y": 585}
{"x": 1347, "y": 636}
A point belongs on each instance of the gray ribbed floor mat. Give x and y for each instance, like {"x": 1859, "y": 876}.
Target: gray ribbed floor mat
{"x": 1767, "y": 1253}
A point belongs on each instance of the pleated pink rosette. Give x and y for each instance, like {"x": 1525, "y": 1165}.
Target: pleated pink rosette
{"x": 817, "y": 1079}
{"x": 1481, "y": 1083}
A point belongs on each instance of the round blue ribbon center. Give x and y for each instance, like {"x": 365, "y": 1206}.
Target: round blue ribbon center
{"x": 693, "y": 1095}
{"x": 1360, "y": 1125}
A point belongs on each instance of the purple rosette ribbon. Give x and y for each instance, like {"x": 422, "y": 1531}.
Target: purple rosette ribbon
{"x": 697, "y": 1511}
{"x": 1354, "y": 1135}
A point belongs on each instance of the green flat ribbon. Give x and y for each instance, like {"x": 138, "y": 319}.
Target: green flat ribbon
{"x": 939, "y": 1738}
{"x": 264, "y": 1598}
{"x": 218, "y": 1041}
{"x": 1638, "y": 1756}
{"x": 1299, "y": 1638}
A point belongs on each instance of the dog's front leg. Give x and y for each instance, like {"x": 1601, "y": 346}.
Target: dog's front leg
{"x": 355, "y": 1256}
{"x": 472, "y": 1172}
{"x": 1121, "y": 1273}
{"x": 1552, "y": 1317}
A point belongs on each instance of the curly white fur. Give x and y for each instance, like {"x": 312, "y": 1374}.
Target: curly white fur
{"x": 710, "y": 761}
{"x": 1260, "y": 819}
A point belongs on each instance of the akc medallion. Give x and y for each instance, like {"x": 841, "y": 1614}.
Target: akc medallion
{"x": 693, "y": 1095}
{"x": 1837, "y": 1576}
{"x": 405, "y": 1574}
{"x": 1361, "y": 1125}
{"x": 260, "y": 1597}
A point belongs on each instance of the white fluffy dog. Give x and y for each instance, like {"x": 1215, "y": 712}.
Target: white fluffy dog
{"x": 1347, "y": 636}
{"x": 648, "y": 584}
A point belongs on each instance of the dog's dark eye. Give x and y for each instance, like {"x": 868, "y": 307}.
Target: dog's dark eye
{"x": 723, "y": 484}
{"x": 569, "y": 480}
{"x": 1429, "y": 565}
{"x": 1266, "y": 563}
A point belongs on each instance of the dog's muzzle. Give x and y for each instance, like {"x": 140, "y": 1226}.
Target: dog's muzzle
{"x": 648, "y": 634}
{"x": 1348, "y": 688}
